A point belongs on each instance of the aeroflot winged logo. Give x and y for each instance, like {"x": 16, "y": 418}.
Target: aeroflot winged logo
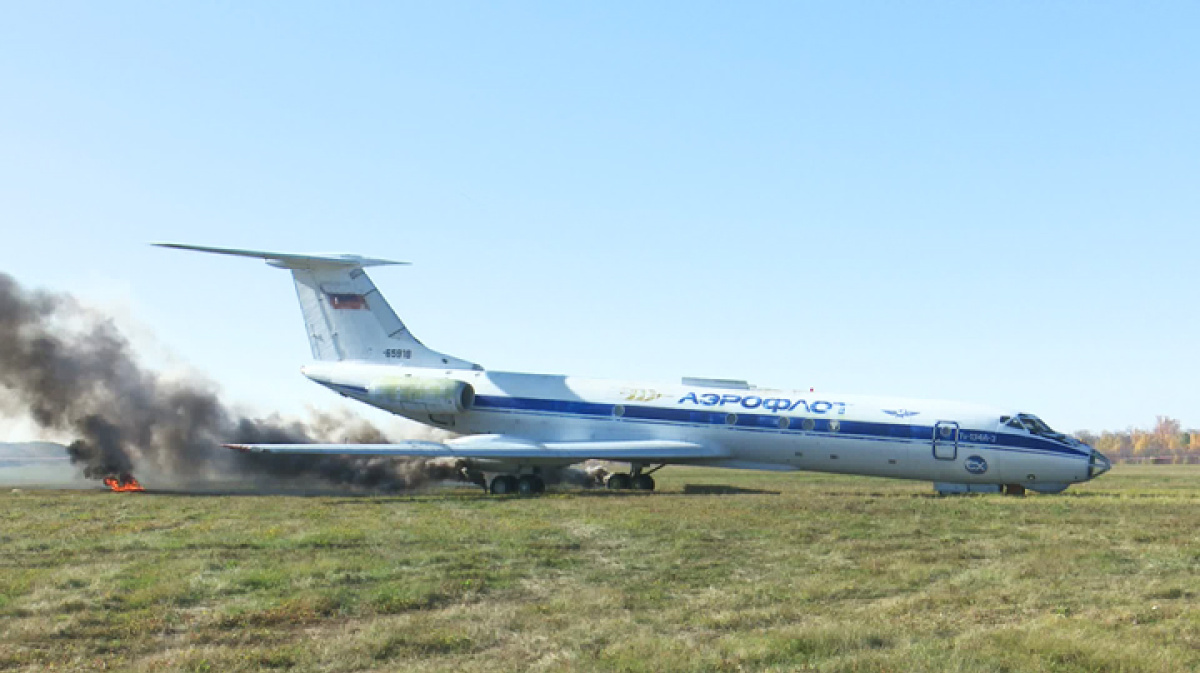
{"x": 900, "y": 413}
{"x": 640, "y": 394}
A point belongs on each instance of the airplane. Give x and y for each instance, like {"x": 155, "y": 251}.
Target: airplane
{"x": 518, "y": 426}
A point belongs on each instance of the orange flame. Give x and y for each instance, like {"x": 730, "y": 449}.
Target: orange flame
{"x": 125, "y": 484}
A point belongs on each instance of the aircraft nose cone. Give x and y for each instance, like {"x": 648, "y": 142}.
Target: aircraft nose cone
{"x": 1098, "y": 465}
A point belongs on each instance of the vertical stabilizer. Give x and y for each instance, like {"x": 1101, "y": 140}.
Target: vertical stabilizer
{"x": 345, "y": 315}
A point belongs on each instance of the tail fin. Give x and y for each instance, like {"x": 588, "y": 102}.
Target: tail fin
{"x": 345, "y": 315}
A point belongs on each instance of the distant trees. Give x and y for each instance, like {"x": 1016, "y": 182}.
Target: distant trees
{"x": 1167, "y": 441}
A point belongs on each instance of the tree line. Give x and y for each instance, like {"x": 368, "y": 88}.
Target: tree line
{"x": 1166, "y": 442}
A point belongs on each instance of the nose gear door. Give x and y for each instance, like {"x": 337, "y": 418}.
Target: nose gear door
{"x": 945, "y": 440}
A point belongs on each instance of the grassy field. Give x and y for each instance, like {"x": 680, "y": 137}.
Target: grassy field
{"x": 780, "y": 573}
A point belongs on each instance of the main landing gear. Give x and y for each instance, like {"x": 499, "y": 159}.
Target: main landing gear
{"x": 636, "y": 479}
{"x": 526, "y": 484}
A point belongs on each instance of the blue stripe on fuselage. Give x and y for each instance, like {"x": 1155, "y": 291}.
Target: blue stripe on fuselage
{"x": 848, "y": 429}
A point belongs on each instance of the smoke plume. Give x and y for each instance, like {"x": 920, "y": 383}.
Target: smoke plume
{"x": 72, "y": 371}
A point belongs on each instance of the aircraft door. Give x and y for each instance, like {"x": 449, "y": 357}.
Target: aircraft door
{"x": 945, "y": 440}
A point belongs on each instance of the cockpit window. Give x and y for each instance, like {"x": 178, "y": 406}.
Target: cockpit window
{"x": 1038, "y": 427}
{"x": 1012, "y": 422}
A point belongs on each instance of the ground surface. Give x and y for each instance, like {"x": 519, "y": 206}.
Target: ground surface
{"x": 816, "y": 573}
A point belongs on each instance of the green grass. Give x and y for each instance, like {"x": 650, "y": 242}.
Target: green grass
{"x": 814, "y": 573}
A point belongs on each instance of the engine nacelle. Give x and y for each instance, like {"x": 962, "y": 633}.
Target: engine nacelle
{"x": 425, "y": 395}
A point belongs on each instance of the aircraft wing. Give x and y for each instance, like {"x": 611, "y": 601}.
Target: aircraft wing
{"x": 499, "y": 447}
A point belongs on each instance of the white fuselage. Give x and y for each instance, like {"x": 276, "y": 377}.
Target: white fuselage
{"x": 761, "y": 429}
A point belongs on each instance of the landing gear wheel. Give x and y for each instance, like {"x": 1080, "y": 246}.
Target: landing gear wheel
{"x": 505, "y": 484}
{"x": 643, "y": 482}
{"x": 531, "y": 484}
{"x": 1014, "y": 489}
{"x": 619, "y": 481}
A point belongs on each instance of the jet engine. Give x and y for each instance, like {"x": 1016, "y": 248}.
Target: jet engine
{"x": 425, "y": 395}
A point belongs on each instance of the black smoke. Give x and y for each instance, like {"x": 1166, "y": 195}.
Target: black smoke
{"x": 72, "y": 371}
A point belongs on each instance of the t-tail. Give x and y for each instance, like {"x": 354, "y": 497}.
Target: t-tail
{"x": 345, "y": 315}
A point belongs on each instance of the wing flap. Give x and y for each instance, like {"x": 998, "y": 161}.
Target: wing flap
{"x": 508, "y": 448}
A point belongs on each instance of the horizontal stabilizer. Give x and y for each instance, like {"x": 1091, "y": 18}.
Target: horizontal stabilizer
{"x": 285, "y": 260}
{"x": 345, "y": 315}
{"x": 508, "y": 448}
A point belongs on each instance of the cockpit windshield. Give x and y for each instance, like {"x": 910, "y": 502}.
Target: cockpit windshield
{"x": 1033, "y": 425}
{"x": 1012, "y": 422}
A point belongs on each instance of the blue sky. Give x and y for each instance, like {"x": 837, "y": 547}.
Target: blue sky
{"x": 987, "y": 203}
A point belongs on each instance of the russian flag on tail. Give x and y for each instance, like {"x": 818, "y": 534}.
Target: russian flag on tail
{"x": 347, "y": 301}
